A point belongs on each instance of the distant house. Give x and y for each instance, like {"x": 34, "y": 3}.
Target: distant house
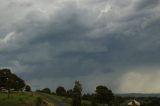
{"x": 133, "y": 103}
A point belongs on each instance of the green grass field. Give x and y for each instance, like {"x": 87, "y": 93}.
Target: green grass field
{"x": 33, "y": 99}
{"x": 68, "y": 100}
{"x": 19, "y": 99}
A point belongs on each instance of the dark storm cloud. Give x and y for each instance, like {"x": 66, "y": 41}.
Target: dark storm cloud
{"x": 147, "y": 4}
{"x": 61, "y": 41}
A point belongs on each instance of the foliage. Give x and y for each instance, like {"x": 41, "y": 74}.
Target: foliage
{"x": 38, "y": 90}
{"x": 27, "y": 88}
{"x": 10, "y": 81}
{"x": 87, "y": 96}
{"x": 145, "y": 101}
{"x": 93, "y": 103}
{"x": 76, "y": 101}
{"x": 46, "y": 90}
{"x": 104, "y": 95}
{"x": 69, "y": 93}
{"x": 61, "y": 91}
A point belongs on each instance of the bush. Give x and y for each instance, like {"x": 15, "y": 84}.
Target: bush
{"x": 61, "y": 91}
{"x": 46, "y": 90}
{"x": 27, "y": 88}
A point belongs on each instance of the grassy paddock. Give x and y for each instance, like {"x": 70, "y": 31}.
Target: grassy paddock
{"x": 68, "y": 100}
{"x": 18, "y": 99}
{"x": 63, "y": 99}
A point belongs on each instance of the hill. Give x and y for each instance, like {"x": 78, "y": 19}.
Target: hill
{"x": 139, "y": 95}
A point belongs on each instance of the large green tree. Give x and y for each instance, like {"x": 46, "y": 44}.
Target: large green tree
{"x": 76, "y": 101}
{"x": 9, "y": 80}
{"x": 61, "y": 91}
{"x": 104, "y": 95}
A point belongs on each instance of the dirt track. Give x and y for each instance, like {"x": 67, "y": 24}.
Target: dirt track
{"x": 50, "y": 99}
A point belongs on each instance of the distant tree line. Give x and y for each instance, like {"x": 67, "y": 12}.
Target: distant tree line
{"x": 45, "y": 90}
{"x": 101, "y": 97}
{"x": 10, "y": 81}
{"x": 145, "y": 101}
{"x": 102, "y": 94}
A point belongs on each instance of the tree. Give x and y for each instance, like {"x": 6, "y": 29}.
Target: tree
{"x": 69, "y": 93}
{"x": 93, "y": 103}
{"x": 104, "y": 95}
{"x": 76, "y": 101}
{"x": 10, "y": 80}
{"x": 27, "y": 88}
{"x": 46, "y": 90}
{"x": 17, "y": 83}
{"x": 61, "y": 91}
{"x": 87, "y": 96}
{"x": 38, "y": 90}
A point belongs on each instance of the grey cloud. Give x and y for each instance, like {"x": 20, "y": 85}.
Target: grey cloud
{"x": 148, "y": 4}
{"x": 78, "y": 41}
{"x": 13, "y": 4}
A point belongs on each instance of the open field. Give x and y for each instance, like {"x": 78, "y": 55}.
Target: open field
{"x": 17, "y": 99}
{"x": 61, "y": 100}
{"x": 33, "y": 99}
{"x": 20, "y": 99}
{"x": 68, "y": 100}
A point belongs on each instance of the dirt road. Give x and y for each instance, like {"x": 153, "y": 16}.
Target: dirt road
{"x": 51, "y": 99}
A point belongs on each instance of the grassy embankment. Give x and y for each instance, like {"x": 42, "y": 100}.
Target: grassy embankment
{"x": 21, "y": 99}
{"x": 68, "y": 100}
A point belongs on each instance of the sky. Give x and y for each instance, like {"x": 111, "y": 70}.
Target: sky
{"x": 51, "y": 43}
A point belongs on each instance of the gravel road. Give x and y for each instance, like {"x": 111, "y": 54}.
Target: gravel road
{"x": 51, "y": 99}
